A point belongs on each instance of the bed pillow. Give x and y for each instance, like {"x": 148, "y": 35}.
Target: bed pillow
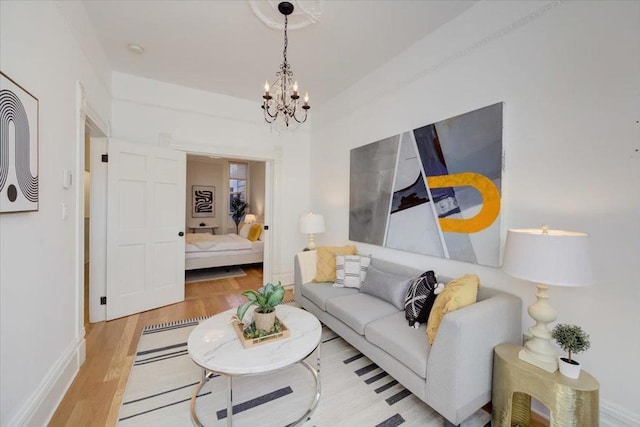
{"x": 254, "y": 232}
{"x": 351, "y": 270}
{"x": 389, "y": 287}
{"x": 458, "y": 293}
{"x": 326, "y": 264}
{"x": 244, "y": 230}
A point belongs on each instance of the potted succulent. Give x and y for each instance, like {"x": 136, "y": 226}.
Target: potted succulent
{"x": 573, "y": 340}
{"x": 266, "y": 298}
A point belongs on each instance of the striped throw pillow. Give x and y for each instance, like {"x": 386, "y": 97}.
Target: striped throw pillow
{"x": 351, "y": 270}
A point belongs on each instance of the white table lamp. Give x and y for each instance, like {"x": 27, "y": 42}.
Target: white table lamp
{"x": 546, "y": 257}
{"x": 249, "y": 218}
{"x": 311, "y": 224}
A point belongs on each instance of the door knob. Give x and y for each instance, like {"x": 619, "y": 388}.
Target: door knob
{"x": 181, "y": 234}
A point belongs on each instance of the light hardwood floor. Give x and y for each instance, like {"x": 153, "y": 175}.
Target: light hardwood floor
{"x": 95, "y": 396}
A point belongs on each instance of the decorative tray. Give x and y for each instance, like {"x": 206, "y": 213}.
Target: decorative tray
{"x": 280, "y": 331}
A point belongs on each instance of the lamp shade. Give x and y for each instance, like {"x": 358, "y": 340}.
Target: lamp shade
{"x": 311, "y": 223}
{"x": 249, "y": 218}
{"x": 550, "y": 257}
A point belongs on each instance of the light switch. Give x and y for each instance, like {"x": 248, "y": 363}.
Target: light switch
{"x": 67, "y": 179}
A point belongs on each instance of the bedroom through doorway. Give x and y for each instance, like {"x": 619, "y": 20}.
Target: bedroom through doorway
{"x": 220, "y": 239}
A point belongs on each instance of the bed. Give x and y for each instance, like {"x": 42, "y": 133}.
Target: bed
{"x": 207, "y": 250}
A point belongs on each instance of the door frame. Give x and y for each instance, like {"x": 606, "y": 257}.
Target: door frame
{"x": 86, "y": 116}
{"x": 273, "y": 167}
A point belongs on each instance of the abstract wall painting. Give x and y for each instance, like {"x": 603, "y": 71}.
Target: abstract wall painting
{"x": 434, "y": 190}
{"x": 19, "y": 191}
{"x": 203, "y": 198}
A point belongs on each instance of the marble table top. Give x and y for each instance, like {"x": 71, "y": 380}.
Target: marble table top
{"x": 215, "y": 346}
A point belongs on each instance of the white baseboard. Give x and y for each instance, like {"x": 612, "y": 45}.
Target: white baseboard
{"x": 612, "y": 415}
{"x": 42, "y": 403}
{"x": 286, "y": 277}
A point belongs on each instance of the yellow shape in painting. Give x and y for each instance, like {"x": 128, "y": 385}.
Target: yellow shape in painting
{"x": 490, "y": 205}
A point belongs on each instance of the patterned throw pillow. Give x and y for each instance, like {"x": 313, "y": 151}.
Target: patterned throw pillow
{"x": 326, "y": 262}
{"x": 420, "y": 298}
{"x": 351, "y": 270}
{"x": 458, "y": 293}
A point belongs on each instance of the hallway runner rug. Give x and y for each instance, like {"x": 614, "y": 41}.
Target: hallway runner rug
{"x": 355, "y": 392}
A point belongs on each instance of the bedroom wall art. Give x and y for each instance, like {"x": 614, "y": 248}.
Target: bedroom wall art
{"x": 18, "y": 148}
{"x": 434, "y": 190}
{"x": 203, "y": 201}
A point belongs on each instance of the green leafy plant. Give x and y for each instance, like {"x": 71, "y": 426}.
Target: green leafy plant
{"x": 571, "y": 338}
{"x": 238, "y": 208}
{"x": 266, "y": 298}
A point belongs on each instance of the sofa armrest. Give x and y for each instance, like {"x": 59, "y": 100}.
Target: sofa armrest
{"x": 460, "y": 364}
{"x": 304, "y": 271}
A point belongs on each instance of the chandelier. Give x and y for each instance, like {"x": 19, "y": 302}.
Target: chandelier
{"x": 284, "y": 100}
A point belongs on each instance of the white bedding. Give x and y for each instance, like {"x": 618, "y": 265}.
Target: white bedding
{"x": 202, "y": 242}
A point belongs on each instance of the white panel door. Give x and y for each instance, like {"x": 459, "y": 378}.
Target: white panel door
{"x": 145, "y": 228}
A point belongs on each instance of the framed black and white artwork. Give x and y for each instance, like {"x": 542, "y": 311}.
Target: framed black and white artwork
{"x": 203, "y": 201}
{"x": 18, "y": 148}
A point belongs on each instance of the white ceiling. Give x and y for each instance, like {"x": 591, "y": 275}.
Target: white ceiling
{"x": 222, "y": 46}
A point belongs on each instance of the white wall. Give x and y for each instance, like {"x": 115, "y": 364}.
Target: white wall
{"x": 42, "y": 338}
{"x": 568, "y": 74}
{"x": 152, "y": 112}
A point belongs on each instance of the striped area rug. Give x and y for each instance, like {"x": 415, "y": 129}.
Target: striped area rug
{"x": 355, "y": 391}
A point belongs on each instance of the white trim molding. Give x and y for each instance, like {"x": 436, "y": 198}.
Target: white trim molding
{"x": 43, "y": 402}
{"x": 612, "y": 415}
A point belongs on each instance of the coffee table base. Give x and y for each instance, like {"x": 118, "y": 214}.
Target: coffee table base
{"x": 207, "y": 375}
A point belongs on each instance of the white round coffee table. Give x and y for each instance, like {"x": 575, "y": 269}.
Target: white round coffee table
{"x": 215, "y": 347}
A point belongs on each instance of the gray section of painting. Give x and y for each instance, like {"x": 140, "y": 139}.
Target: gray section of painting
{"x": 415, "y": 229}
{"x": 372, "y": 170}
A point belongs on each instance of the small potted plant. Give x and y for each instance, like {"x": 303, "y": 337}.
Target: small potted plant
{"x": 266, "y": 298}
{"x": 573, "y": 340}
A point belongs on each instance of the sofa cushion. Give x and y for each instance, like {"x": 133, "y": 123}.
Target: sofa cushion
{"x": 326, "y": 263}
{"x": 351, "y": 270}
{"x": 405, "y": 344}
{"x": 358, "y": 309}
{"x": 320, "y": 293}
{"x": 458, "y": 293}
{"x": 387, "y": 286}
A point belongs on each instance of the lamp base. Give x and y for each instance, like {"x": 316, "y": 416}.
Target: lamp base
{"x": 533, "y": 359}
{"x": 538, "y": 350}
{"x": 312, "y": 243}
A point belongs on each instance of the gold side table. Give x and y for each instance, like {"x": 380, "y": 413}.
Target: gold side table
{"x": 571, "y": 403}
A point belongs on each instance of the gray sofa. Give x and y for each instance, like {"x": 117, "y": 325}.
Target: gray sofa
{"x": 453, "y": 376}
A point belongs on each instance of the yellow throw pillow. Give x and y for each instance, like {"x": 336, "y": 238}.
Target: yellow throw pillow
{"x": 254, "y": 232}
{"x": 458, "y": 293}
{"x": 326, "y": 264}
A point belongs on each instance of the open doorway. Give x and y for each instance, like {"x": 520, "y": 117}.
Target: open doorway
{"x": 93, "y": 219}
{"x": 220, "y": 240}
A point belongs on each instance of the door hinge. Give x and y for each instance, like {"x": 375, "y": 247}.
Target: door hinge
{"x": 105, "y": 158}
{"x": 103, "y": 300}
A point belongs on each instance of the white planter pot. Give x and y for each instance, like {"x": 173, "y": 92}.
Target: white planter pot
{"x": 567, "y": 369}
